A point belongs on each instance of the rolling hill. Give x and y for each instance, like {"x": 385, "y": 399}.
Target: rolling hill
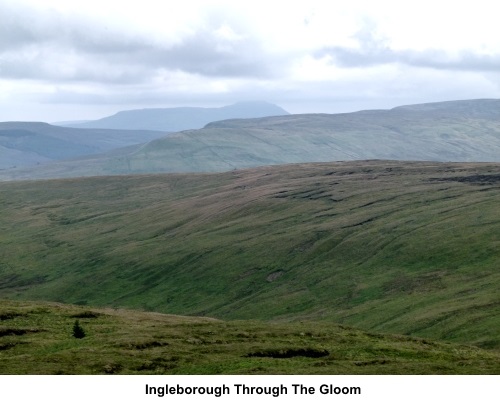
{"x": 181, "y": 118}
{"x": 460, "y": 131}
{"x": 25, "y": 144}
{"x": 401, "y": 247}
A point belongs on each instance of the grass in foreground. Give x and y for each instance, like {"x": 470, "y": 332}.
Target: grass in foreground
{"x": 37, "y": 338}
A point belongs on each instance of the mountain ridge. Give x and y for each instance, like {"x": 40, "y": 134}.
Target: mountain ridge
{"x": 431, "y": 132}
{"x": 181, "y": 118}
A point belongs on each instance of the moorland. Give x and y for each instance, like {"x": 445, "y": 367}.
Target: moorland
{"x": 357, "y": 266}
{"x": 409, "y": 248}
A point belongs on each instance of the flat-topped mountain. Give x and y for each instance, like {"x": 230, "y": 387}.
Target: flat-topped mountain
{"x": 181, "y": 118}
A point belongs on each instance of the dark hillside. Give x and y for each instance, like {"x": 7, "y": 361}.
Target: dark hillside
{"x": 25, "y": 144}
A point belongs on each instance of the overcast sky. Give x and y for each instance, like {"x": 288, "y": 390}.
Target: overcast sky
{"x": 82, "y": 59}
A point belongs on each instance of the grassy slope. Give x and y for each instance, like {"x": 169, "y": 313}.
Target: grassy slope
{"x": 36, "y": 338}
{"x": 387, "y": 246}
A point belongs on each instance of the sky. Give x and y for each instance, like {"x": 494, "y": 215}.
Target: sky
{"x": 66, "y": 60}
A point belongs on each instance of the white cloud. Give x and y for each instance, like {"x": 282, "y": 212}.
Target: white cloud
{"x": 331, "y": 56}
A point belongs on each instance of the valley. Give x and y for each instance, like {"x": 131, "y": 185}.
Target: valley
{"x": 395, "y": 247}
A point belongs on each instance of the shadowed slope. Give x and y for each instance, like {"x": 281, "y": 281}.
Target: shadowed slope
{"x": 25, "y": 144}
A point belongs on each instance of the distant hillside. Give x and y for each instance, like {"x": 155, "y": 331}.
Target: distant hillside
{"x": 181, "y": 118}
{"x": 461, "y": 131}
{"x": 399, "y": 247}
{"x": 24, "y": 144}
{"x": 482, "y": 108}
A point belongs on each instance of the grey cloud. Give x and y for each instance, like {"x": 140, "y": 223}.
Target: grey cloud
{"x": 50, "y": 46}
{"x": 16, "y": 30}
{"x": 24, "y": 27}
{"x": 206, "y": 55}
{"x": 65, "y": 67}
{"x": 373, "y": 52}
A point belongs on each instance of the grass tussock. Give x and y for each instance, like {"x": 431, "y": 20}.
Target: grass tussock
{"x": 133, "y": 342}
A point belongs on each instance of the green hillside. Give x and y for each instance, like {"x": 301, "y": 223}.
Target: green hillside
{"x": 27, "y": 144}
{"x": 37, "y": 338}
{"x": 460, "y": 131}
{"x": 399, "y": 247}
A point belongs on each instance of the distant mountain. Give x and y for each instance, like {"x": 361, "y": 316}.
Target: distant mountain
{"x": 181, "y": 118}
{"x": 460, "y": 131}
{"x": 485, "y": 108}
{"x": 24, "y": 144}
